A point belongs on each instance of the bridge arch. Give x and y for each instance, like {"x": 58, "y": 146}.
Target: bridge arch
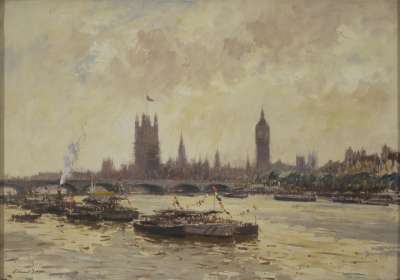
{"x": 220, "y": 188}
{"x": 185, "y": 188}
{"x": 147, "y": 188}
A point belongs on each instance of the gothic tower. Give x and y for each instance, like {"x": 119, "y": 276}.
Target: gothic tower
{"x": 262, "y": 143}
{"x": 147, "y": 147}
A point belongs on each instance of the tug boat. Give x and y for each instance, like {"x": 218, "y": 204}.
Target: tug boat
{"x": 110, "y": 208}
{"x": 102, "y": 206}
{"x": 99, "y": 208}
{"x": 84, "y": 213}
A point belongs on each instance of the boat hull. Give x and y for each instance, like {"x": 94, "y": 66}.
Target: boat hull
{"x": 236, "y": 195}
{"x": 25, "y": 218}
{"x": 299, "y": 198}
{"x": 165, "y": 230}
{"x": 122, "y": 216}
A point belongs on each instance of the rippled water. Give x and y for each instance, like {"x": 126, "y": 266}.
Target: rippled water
{"x": 321, "y": 240}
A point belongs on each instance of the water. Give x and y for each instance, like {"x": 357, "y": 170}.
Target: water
{"x": 320, "y": 240}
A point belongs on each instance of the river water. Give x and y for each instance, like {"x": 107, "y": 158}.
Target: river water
{"x": 320, "y": 240}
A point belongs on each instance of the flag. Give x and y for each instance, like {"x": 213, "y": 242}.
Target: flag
{"x": 148, "y": 98}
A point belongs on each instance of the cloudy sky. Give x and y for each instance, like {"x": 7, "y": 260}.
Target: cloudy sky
{"x": 324, "y": 71}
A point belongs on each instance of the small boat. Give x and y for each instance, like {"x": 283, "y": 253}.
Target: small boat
{"x": 25, "y": 217}
{"x": 347, "y": 199}
{"x": 375, "y": 202}
{"x": 378, "y": 200}
{"x": 236, "y": 195}
{"x": 296, "y": 197}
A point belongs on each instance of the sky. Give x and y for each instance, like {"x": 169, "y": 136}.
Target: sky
{"x": 324, "y": 71}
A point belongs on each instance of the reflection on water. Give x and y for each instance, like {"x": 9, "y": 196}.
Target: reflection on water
{"x": 319, "y": 240}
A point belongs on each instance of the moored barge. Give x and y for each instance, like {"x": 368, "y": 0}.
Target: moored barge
{"x": 296, "y": 197}
{"x": 185, "y": 223}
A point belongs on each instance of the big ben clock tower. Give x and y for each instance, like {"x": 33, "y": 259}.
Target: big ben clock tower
{"x": 262, "y": 144}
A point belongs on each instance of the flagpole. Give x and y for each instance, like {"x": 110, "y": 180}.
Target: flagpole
{"x": 214, "y": 201}
{"x": 146, "y": 105}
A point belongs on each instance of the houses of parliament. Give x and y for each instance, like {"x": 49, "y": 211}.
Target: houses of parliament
{"x": 146, "y": 151}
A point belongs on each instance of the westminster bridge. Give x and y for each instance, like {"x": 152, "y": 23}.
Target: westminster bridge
{"x": 159, "y": 186}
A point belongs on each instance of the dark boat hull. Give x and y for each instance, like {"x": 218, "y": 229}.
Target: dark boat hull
{"x": 347, "y": 200}
{"x": 376, "y": 203}
{"x": 236, "y": 195}
{"x": 173, "y": 230}
{"x": 246, "y": 230}
{"x": 120, "y": 216}
{"x": 199, "y": 230}
{"x": 298, "y": 198}
{"x": 25, "y": 218}
{"x": 83, "y": 217}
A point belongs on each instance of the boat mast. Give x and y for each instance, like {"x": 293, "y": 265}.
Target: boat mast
{"x": 91, "y": 185}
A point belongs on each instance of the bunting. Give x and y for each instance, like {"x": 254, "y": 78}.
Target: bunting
{"x": 200, "y": 202}
{"x": 176, "y": 203}
{"x": 219, "y": 199}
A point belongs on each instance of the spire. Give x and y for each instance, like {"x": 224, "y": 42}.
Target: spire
{"x": 143, "y": 119}
{"x": 217, "y": 160}
{"x": 262, "y": 117}
{"x": 248, "y": 164}
{"x": 181, "y": 160}
{"x": 155, "y": 119}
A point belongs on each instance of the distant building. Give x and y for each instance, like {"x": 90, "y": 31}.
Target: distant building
{"x": 107, "y": 168}
{"x": 357, "y": 161}
{"x": 147, "y": 147}
{"x": 312, "y": 161}
{"x": 300, "y": 163}
{"x": 262, "y": 131}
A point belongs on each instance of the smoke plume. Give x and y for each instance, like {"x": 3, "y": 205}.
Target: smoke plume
{"x": 69, "y": 160}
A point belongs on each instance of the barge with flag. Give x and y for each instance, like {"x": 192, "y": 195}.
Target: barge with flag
{"x": 185, "y": 223}
{"x": 180, "y": 222}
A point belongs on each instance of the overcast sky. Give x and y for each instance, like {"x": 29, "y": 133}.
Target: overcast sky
{"x": 324, "y": 71}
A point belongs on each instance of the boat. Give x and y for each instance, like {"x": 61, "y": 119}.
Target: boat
{"x": 153, "y": 227}
{"x": 104, "y": 206}
{"x": 27, "y": 217}
{"x": 185, "y": 223}
{"x": 236, "y": 195}
{"x": 110, "y": 208}
{"x": 378, "y": 200}
{"x": 35, "y": 205}
{"x": 375, "y": 202}
{"x": 296, "y": 197}
{"x": 84, "y": 213}
{"x": 346, "y": 199}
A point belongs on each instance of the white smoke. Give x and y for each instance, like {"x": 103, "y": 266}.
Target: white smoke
{"x": 69, "y": 160}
